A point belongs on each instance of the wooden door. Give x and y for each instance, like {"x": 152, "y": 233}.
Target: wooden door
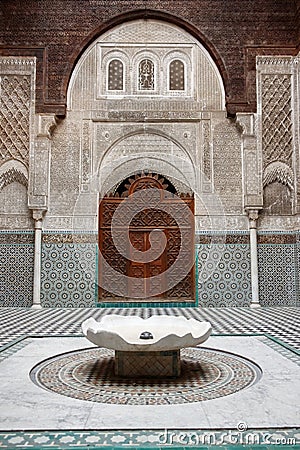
{"x": 151, "y": 272}
{"x": 154, "y": 278}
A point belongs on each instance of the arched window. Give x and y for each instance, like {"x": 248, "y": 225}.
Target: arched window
{"x": 115, "y": 75}
{"x": 146, "y": 75}
{"x": 176, "y": 76}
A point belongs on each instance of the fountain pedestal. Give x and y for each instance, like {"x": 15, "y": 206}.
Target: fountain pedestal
{"x": 146, "y": 347}
{"x": 148, "y": 364}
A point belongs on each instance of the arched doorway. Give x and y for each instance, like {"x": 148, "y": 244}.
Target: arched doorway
{"x": 137, "y": 276}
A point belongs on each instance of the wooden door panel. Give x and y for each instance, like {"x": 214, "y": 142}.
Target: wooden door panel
{"x": 143, "y": 279}
{"x": 140, "y": 241}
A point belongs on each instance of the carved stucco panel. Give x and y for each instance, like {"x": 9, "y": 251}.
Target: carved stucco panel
{"x": 153, "y": 148}
{"x": 159, "y": 42}
{"x": 17, "y": 88}
{"x": 65, "y": 168}
{"x": 227, "y": 166}
{"x": 278, "y": 111}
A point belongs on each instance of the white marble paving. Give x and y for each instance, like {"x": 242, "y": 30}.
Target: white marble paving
{"x": 272, "y": 402}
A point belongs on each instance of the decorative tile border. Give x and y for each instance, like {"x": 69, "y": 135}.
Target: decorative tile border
{"x": 69, "y": 237}
{"x": 16, "y": 237}
{"x": 222, "y": 239}
{"x": 11, "y": 349}
{"x": 285, "y": 350}
{"x": 146, "y": 305}
{"x": 145, "y": 439}
{"x": 281, "y": 238}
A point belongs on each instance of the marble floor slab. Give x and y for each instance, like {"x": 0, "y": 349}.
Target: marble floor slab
{"x": 272, "y": 402}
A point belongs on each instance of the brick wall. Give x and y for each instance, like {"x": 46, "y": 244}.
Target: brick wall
{"x": 234, "y": 32}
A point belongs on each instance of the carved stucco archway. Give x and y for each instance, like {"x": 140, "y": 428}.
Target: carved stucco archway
{"x": 146, "y": 151}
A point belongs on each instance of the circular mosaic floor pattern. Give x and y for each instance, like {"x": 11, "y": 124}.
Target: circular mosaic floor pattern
{"x": 89, "y": 375}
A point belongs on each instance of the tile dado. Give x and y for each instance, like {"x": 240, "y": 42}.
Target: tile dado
{"x": 68, "y": 273}
{"x": 278, "y": 266}
{"x": 278, "y": 275}
{"x": 16, "y": 268}
{"x": 224, "y": 275}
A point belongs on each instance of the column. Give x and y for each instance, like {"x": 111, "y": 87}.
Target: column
{"x": 38, "y": 221}
{"x": 253, "y": 216}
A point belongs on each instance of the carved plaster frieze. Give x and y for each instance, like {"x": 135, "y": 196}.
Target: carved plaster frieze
{"x": 15, "y": 222}
{"x": 19, "y": 64}
{"x": 276, "y": 64}
{"x": 279, "y": 223}
{"x": 219, "y": 223}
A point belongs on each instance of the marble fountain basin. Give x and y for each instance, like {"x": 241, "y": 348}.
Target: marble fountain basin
{"x": 146, "y": 347}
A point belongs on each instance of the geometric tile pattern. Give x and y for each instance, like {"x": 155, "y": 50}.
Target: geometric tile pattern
{"x": 277, "y": 274}
{"x": 280, "y": 348}
{"x": 16, "y": 274}
{"x": 224, "y": 275}
{"x": 203, "y": 439}
{"x": 89, "y": 375}
{"x": 68, "y": 275}
{"x": 280, "y": 323}
{"x": 69, "y": 272}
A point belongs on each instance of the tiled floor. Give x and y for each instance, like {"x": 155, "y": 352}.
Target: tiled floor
{"x": 282, "y": 323}
{"x": 266, "y": 414}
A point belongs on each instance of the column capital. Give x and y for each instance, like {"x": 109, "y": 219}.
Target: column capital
{"x": 38, "y": 214}
{"x": 253, "y": 216}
